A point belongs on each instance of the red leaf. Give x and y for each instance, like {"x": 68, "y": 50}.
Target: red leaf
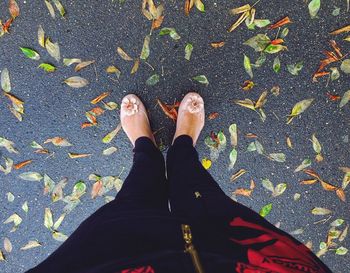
{"x": 280, "y": 23}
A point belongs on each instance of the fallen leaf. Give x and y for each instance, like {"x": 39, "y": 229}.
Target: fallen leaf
{"x": 314, "y": 7}
{"x": 294, "y": 69}
{"x": 8, "y": 145}
{"x": 280, "y": 23}
{"x": 74, "y": 155}
{"x": 7, "y": 245}
{"x": 58, "y": 236}
{"x": 237, "y": 175}
{"x": 5, "y": 80}
{"x": 299, "y": 108}
{"x": 53, "y": 49}
{"x": 265, "y": 210}
{"x": 50, "y": 8}
{"x": 327, "y": 186}
{"x": 337, "y": 222}
{"x": 30, "y": 53}
{"x": 341, "y": 250}
{"x": 82, "y": 65}
{"x": 345, "y": 99}
{"x": 341, "y": 30}
{"x": 171, "y": 32}
{"x": 233, "y": 134}
{"x": 145, "y": 49}
{"x": 153, "y": 80}
{"x": 68, "y": 62}
{"x": 135, "y": 67}
{"x": 58, "y": 141}
{"x": 267, "y": 184}
{"x": 59, "y": 221}
{"x": 343, "y": 234}
{"x": 170, "y": 112}
{"x": 248, "y": 66}
{"x": 188, "y": 51}
{"x": 109, "y": 151}
{"x": 76, "y": 82}
{"x": 96, "y": 188}
{"x": 213, "y": 115}
{"x": 217, "y": 44}
{"x": 345, "y": 66}
{"x": 41, "y": 36}
{"x": 10, "y": 197}
{"x": 47, "y": 67}
{"x": 25, "y": 207}
{"x": 279, "y": 189}
{"x": 110, "y": 136}
{"x": 31, "y": 176}
{"x": 279, "y": 157}
{"x": 242, "y": 191}
{"x": 341, "y": 194}
{"x": 320, "y": 211}
{"x": 22, "y": 164}
{"x": 59, "y": 7}
{"x": 13, "y": 8}
{"x": 123, "y": 54}
{"x": 30, "y": 244}
{"x": 233, "y": 158}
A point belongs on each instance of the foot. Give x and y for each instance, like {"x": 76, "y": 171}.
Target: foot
{"x": 191, "y": 116}
{"x": 134, "y": 119}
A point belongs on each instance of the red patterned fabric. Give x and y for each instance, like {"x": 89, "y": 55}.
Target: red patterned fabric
{"x": 280, "y": 255}
{"x": 144, "y": 269}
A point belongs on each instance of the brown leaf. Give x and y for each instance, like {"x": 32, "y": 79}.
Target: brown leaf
{"x": 14, "y": 9}
{"x": 308, "y": 181}
{"x": 242, "y": 191}
{"x": 213, "y": 115}
{"x": 22, "y": 164}
{"x": 251, "y": 135}
{"x": 157, "y": 22}
{"x": 217, "y": 44}
{"x": 14, "y": 99}
{"x": 74, "y": 155}
{"x": 280, "y": 23}
{"x": 87, "y": 124}
{"x": 82, "y": 65}
{"x": 341, "y": 30}
{"x": 96, "y": 187}
{"x": 239, "y": 21}
{"x": 341, "y": 194}
{"x": 327, "y": 186}
{"x": 261, "y": 101}
{"x": 252, "y": 184}
{"x": 170, "y": 112}
{"x": 97, "y": 111}
{"x": 123, "y": 54}
{"x": 58, "y": 141}
{"x": 135, "y": 66}
{"x": 312, "y": 173}
{"x": 100, "y": 97}
{"x": 336, "y": 48}
{"x": 238, "y": 174}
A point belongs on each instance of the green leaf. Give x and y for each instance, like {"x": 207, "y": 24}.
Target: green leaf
{"x": 267, "y": 184}
{"x": 259, "y": 147}
{"x": 233, "y": 158}
{"x": 260, "y": 61}
{"x": 272, "y": 49}
{"x": 306, "y": 163}
{"x": 58, "y": 236}
{"x": 10, "y": 197}
{"x": 279, "y": 157}
{"x": 153, "y": 80}
{"x": 323, "y": 245}
{"x": 111, "y": 135}
{"x": 5, "y": 80}
{"x": 201, "y": 79}
{"x": 199, "y": 5}
{"x": 265, "y": 210}
{"x": 145, "y": 49}
{"x": 338, "y": 222}
{"x": 284, "y": 33}
{"x": 294, "y": 69}
{"x": 25, "y": 207}
{"x": 316, "y": 144}
{"x": 258, "y": 42}
{"x": 47, "y": 67}
{"x": 188, "y": 51}
{"x": 31, "y": 176}
{"x": 30, "y": 53}
{"x": 279, "y": 189}
{"x": 336, "y": 11}
{"x": 277, "y": 65}
{"x": 299, "y": 108}
{"x": 171, "y": 32}
{"x": 251, "y": 147}
{"x": 248, "y": 66}
{"x": 262, "y": 22}
{"x": 222, "y": 138}
{"x": 345, "y": 99}
{"x": 345, "y": 66}
{"x": 79, "y": 189}
{"x": 314, "y": 7}
{"x": 341, "y": 251}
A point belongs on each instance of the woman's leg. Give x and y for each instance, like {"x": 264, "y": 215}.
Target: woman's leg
{"x": 220, "y": 224}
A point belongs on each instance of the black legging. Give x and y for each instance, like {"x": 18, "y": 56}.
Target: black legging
{"x": 140, "y": 219}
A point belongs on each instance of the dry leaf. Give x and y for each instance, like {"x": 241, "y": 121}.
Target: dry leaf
{"x": 217, "y": 44}
{"x": 238, "y": 174}
{"x": 341, "y": 194}
{"x": 82, "y": 65}
{"x": 53, "y": 49}
{"x": 76, "y": 82}
{"x": 123, "y": 54}
{"x": 341, "y": 30}
{"x": 100, "y": 97}
{"x": 30, "y": 244}
{"x": 96, "y": 188}
{"x": 41, "y": 36}
{"x": 14, "y": 9}
{"x": 22, "y": 164}
{"x": 7, "y": 245}
{"x": 58, "y": 141}
{"x": 242, "y": 191}
{"x": 320, "y": 211}
{"x": 135, "y": 67}
{"x": 74, "y": 155}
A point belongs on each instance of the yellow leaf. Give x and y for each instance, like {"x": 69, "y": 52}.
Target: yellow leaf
{"x": 123, "y": 54}
{"x": 206, "y": 163}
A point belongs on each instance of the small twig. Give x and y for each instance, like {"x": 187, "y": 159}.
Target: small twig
{"x": 256, "y": 3}
{"x": 323, "y": 220}
{"x": 150, "y": 66}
